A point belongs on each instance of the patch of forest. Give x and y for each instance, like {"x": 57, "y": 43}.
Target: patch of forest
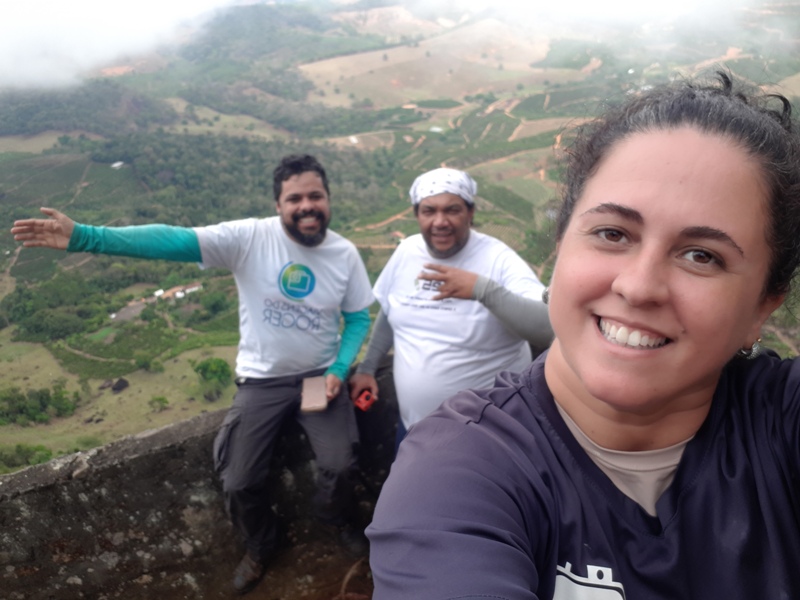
{"x": 36, "y": 406}
{"x": 196, "y": 180}
{"x": 307, "y": 120}
{"x": 103, "y": 107}
{"x": 287, "y": 34}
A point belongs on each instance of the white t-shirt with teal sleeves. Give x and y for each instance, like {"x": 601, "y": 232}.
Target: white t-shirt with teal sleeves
{"x": 290, "y": 296}
{"x": 443, "y": 346}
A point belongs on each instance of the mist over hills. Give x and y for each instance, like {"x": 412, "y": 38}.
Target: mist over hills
{"x": 378, "y": 90}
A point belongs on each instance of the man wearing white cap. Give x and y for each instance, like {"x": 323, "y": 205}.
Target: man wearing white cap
{"x": 458, "y": 306}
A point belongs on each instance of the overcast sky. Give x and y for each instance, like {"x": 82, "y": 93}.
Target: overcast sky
{"x": 54, "y": 42}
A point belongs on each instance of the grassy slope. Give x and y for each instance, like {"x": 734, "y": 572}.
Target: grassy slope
{"x": 104, "y": 415}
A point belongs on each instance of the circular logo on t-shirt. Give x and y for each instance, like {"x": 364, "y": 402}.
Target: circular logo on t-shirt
{"x": 296, "y": 281}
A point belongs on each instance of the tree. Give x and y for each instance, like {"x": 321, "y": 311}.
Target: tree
{"x": 215, "y": 374}
{"x": 23, "y": 455}
{"x": 158, "y": 403}
{"x": 214, "y": 369}
{"x": 215, "y": 302}
{"x": 148, "y": 363}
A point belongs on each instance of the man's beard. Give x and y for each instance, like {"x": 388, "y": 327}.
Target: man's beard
{"x": 314, "y": 239}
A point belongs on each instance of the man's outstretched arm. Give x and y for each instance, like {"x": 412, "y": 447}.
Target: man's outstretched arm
{"x": 165, "y": 242}
{"x": 54, "y": 232}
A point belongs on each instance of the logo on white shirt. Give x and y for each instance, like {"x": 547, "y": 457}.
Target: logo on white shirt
{"x": 426, "y": 285}
{"x": 296, "y": 281}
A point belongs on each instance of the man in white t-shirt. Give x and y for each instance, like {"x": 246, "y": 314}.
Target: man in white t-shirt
{"x": 296, "y": 280}
{"x": 458, "y": 306}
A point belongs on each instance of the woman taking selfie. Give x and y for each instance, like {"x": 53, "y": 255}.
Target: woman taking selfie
{"x": 654, "y": 451}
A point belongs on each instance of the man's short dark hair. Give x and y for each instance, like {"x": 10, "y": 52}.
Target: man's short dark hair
{"x": 295, "y": 164}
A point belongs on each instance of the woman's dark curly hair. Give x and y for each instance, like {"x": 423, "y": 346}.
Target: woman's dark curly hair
{"x": 759, "y": 123}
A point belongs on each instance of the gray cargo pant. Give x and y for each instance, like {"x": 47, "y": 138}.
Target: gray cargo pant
{"x": 245, "y": 442}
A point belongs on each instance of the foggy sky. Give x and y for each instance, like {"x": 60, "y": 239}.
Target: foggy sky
{"x": 55, "y": 42}
{"x": 46, "y": 43}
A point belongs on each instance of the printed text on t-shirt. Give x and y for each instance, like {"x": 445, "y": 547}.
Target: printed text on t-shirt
{"x": 287, "y": 315}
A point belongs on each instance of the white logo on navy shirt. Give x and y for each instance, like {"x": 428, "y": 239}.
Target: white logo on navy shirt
{"x": 598, "y": 585}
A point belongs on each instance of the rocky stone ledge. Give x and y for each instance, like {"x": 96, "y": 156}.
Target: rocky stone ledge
{"x": 143, "y": 517}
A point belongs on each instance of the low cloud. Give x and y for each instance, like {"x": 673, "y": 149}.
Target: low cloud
{"x": 46, "y": 43}
{"x": 606, "y": 12}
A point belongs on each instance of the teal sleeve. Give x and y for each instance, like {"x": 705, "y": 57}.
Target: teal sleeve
{"x": 165, "y": 242}
{"x": 356, "y": 326}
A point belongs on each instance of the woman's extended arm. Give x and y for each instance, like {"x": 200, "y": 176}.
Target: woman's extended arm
{"x": 526, "y": 317}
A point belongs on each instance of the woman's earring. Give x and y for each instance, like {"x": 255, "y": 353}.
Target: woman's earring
{"x": 752, "y": 352}
{"x": 546, "y": 295}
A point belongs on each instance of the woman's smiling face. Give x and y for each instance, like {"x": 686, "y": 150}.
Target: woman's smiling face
{"x": 660, "y": 273}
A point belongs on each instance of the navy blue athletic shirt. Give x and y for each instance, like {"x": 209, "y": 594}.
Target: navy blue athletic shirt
{"x": 491, "y": 497}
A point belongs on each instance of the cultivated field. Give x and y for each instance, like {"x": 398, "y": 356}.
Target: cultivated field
{"x": 789, "y": 86}
{"x": 392, "y": 22}
{"x": 366, "y": 141}
{"x": 531, "y": 128}
{"x": 481, "y": 57}
{"x": 524, "y": 173}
